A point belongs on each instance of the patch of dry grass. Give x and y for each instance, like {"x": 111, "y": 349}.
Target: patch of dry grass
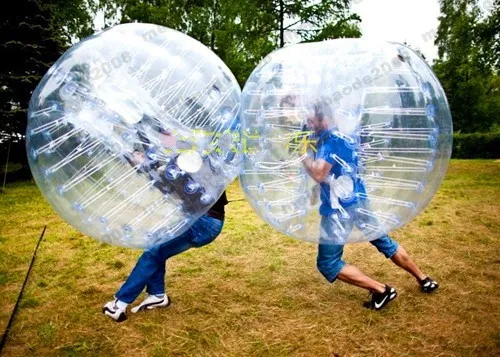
{"x": 255, "y": 292}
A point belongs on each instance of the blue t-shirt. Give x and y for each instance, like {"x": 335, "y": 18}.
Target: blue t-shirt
{"x": 328, "y": 146}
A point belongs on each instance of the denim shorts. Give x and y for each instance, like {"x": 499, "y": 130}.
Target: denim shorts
{"x": 334, "y": 233}
{"x": 330, "y": 263}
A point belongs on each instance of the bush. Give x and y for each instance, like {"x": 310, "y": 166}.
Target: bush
{"x": 476, "y": 146}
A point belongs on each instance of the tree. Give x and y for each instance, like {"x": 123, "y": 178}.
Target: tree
{"x": 236, "y": 31}
{"x": 489, "y": 32}
{"x": 273, "y": 23}
{"x": 466, "y": 66}
{"x": 33, "y": 35}
{"x": 29, "y": 45}
{"x": 314, "y": 21}
{"x": 242, "y": 32}
{"x": 73, "y": 17}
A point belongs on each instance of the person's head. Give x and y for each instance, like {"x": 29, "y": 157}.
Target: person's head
{"x": 318, "y": 117}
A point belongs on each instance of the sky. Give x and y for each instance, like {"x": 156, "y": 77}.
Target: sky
{"x": 413, "y": 21}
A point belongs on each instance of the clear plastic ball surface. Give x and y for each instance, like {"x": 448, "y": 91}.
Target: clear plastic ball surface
{"x": 133, "y": 134}
{"x": 345, "y": 140}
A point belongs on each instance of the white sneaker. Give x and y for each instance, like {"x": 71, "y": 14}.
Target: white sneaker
{"x": 112, "y": 310}
{"x": 152, "y": 302}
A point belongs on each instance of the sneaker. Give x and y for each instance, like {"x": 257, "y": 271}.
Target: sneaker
{"x": 428, "y": 285}
{"x": 379, "y": 300}
{"x": 152, "y": 302}
{"x": 112, "y": 310}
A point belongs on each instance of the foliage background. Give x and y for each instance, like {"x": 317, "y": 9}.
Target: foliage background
{"x": 34, "y": 33}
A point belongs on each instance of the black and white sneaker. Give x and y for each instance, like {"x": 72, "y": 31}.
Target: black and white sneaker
{"x": 152, "y": 302}
{"x": 428, "y": 285}
{"x": 112, "y": 310}
{"x": 379, "y": 300}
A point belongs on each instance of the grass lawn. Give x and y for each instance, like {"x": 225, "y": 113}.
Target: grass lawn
{"x": 256, "y": 292}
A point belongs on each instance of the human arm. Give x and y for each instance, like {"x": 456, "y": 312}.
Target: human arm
{"x": 320, "y": 167}
{"x": 317, "y": 169}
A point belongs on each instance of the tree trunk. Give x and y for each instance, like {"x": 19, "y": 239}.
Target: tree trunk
{"x": 212, "y": 35}
{"x": 282, "y": 30}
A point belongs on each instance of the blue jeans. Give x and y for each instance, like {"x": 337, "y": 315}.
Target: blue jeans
{"x": 334, "y": 234}
{"x": 149, "y": 270}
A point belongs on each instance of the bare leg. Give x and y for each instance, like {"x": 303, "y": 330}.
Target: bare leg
{"x": 352, "y": 275}
{"x": 403, "y": 260}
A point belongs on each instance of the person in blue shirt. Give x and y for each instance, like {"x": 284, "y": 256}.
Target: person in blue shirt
{"x": 333, "y": 164}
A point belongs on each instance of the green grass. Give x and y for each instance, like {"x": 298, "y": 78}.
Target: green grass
{"x": 256, "y": 292}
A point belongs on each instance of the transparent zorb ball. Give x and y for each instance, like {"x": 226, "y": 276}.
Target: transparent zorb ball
{"x": 371, "y": 115}
{"x": 123, "y": 134}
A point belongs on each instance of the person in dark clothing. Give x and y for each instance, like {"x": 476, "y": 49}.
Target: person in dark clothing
{"x": 149, "y": 271}
{"x": 164, "y": 170}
